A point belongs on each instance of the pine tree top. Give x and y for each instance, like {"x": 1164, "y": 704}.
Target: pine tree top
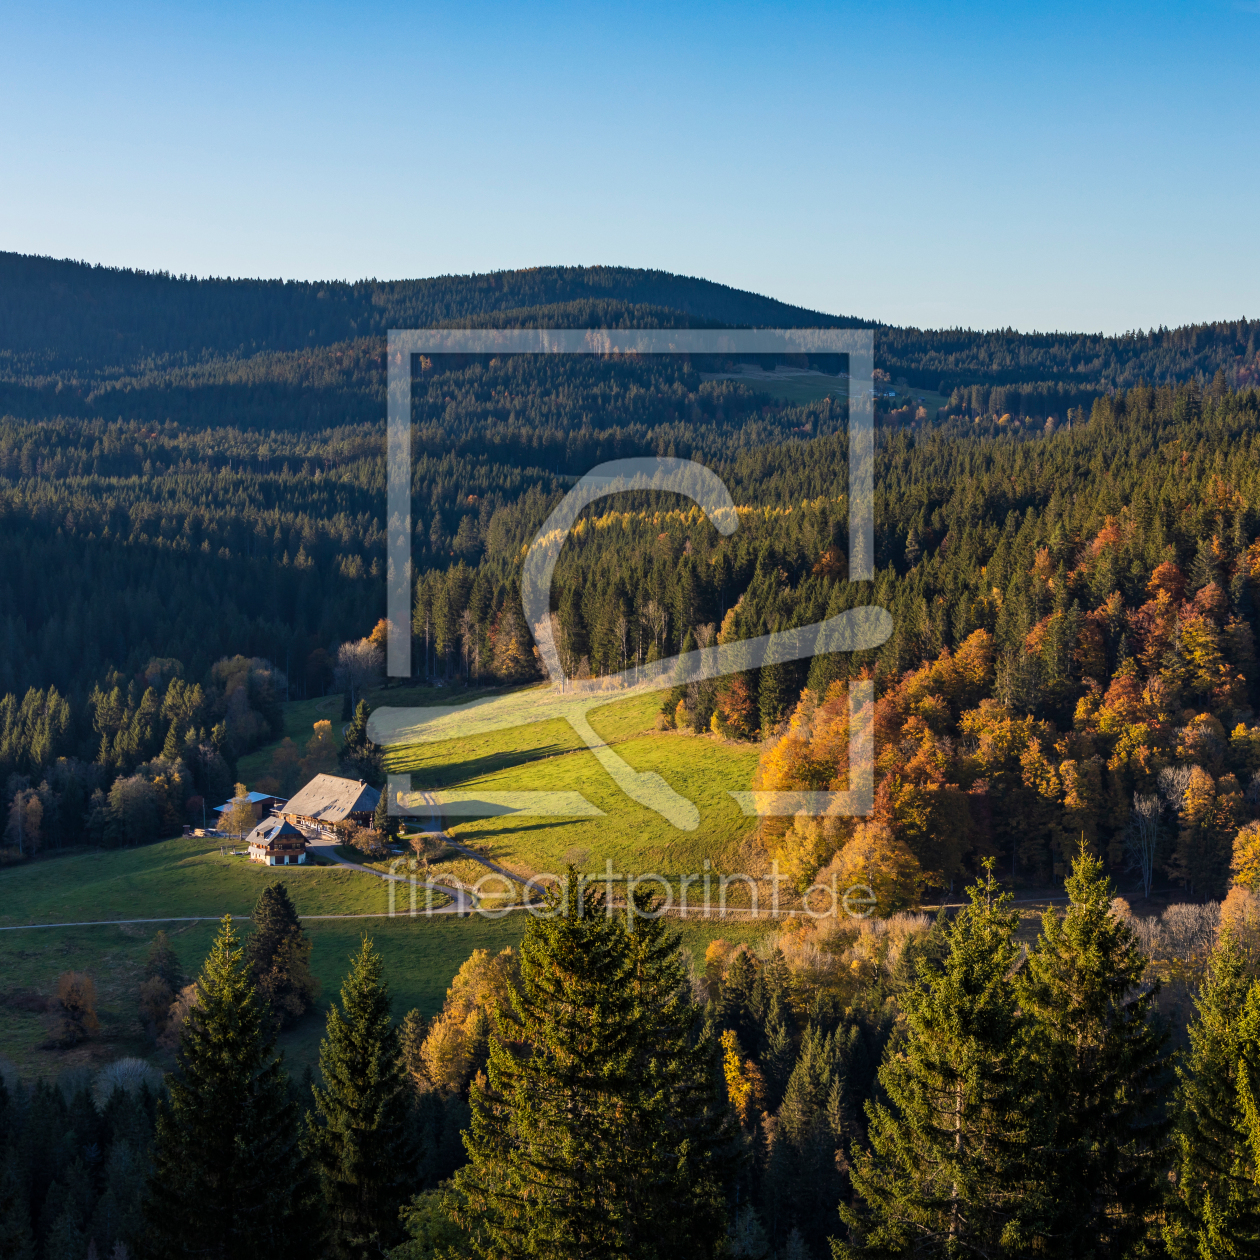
{"x": 1088, "y": 967}
{"x": 360, "y": 1048}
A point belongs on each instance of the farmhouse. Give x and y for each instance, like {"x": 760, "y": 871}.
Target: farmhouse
{"x": 328, "y": 799}
{"x": 277, "y": 842}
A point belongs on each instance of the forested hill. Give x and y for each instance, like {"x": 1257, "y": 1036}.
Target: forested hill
{"x": 62, "y": 319}
{"x": 113, "y": 315}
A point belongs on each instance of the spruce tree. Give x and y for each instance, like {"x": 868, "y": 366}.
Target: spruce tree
{"x": 229, "y": 1181}
{"x": 1098, "y": 1057}
{"x": 680, "y": 1145}
{"x": 597, "y": 1132}
{"x": 357, "y": 1137}
{"x": 278, "y": 953}
{"x": 17, "y": 1240}
{"x": 774, "y": 695}
{"x": 945, "y": 1175}
{"x": 383, "y": 822}
{"x": 162, "y": 963}
{"x": 545, "y": 1137}
{"x": 802, "y": 1178}
{"x": 1216, "y": 1204}
{"x": 65, "y": 1240}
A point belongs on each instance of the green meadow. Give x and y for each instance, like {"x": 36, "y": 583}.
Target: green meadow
{"x": 421, "y": 956}
{"x": 180, "y": 878}
{"x": 172, "y": 879}
{"x": 549, "y": 756}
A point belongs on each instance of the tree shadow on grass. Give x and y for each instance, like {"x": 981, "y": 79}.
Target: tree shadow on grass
{"x": 549, "y": 825}
{"x": 453, "y": 774}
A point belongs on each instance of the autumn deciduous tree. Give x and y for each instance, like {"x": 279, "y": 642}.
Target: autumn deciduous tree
{"x": 240, "y": 816}
{"x": 320, "y": 756}
{"x": 1246, "y": 862}
{"x": 284, "y": 774}
{"x": 75, "y": 1007}
{"x": 161, "y": 981}
{"x": 745, "y": 1086}
{"x": 359, "y": 665}
{"x": 735, "y": 709}
{"x": 876, "y": 860}
{"x": 26, "y": 816}
{"x": 456, "y": 1044}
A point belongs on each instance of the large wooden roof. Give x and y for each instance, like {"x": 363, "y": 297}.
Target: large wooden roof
{"x": 329, "y": 798}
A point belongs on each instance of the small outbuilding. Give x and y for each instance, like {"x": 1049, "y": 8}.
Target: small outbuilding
{"x": 260, "y": 802}
{"x": 277, "y": 842}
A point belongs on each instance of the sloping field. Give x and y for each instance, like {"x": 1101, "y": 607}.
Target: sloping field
{"x": 549, "y": 756}
{"x": 171, "y": 879}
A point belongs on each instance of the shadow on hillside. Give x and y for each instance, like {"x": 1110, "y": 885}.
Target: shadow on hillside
{"x": 550, "y": 825}
{"x": 452, "y": 774}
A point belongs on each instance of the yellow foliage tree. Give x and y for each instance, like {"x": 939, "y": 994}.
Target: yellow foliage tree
{"x": 876, "y": 859}
{"x": 804, "y": 848}
{"x": 444, "y": 1053}
{"x": 745, "y": 1085}
{"x": 457, "y": 1037}
{"x": 1246, "y": 864}
{"x": 240, "y": 816}
{"x": 321, "y": 751}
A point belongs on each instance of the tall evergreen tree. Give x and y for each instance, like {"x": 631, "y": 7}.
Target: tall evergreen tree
{"x": 1097, "y": 1055}
{"x": 1216, "y": 1204}
{"x": 680, "y": 1145}
{"x": 802, "y": 1178}
{"x": 596, "y": 1134}
{"x": 545, "y": 1138}
{"x": 357, "y": 1137}
{"x": 229, "y": 1180}
{"x": 278, "y": 953}
{"x": 946, "y": 1174}
{"x": 383, "y": 822}
{"x": 17, "y": 1240}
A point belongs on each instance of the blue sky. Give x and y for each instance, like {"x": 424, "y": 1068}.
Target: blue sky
{"x": 1093, "y": 167}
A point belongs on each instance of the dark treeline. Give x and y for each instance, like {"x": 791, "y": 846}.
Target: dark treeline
{"x": 283, "y": 532}
{"x": 143, "y": 756}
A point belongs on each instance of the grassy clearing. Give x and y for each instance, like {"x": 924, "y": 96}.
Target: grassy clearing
{"x": 912, "y": 396}
{"x": 550, "y": 757}
{"x": 797, "y": 388}
{"x": 172, "y": 878}
{"x": 421, "y": 956}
